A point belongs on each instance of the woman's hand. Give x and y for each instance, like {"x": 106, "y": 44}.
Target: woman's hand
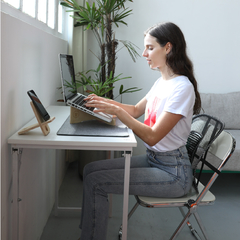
{"x": 94, "y": 97}
{"x": 101, "y": 105}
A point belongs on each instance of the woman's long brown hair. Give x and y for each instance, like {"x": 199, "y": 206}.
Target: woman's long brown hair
{"x": 177, "y": 59}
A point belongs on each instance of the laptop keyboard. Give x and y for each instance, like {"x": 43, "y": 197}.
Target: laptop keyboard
{"x": 80, "y": 102}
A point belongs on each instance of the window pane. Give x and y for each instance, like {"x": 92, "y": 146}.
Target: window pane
{"x": 60, "y": 18}
{"x": 14, "y": 3}
{"x": 29, "y": 7}
{"x": 42, "y": 10}
{"x": 51, "y": 13}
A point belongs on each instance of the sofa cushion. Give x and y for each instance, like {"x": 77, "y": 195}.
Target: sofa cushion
{"x": 225, "y": 107}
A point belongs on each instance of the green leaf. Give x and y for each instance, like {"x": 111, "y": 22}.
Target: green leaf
{"x": 131, "y": 90}
{"x": 88, "y": 26}
{"x": 131, "y": 49}
{"x": 121, "y": 89}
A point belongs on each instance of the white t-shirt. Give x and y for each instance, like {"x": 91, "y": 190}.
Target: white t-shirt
{"x": 176, "y": 96}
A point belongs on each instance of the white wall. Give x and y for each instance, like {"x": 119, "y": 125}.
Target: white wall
{"x": 29, "y": 60}
{"x": 211, "y": 29}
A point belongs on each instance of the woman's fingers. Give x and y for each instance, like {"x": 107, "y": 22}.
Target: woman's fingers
{"x": 92, "y": 103}
{"x": 93, "y": 97}
{"x": 88, "y": 98}
{"x": 101, "y": 106}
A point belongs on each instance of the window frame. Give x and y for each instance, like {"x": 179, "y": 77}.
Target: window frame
{"x": 18, "y": 13}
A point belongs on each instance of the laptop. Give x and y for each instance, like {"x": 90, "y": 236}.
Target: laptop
{"x": 73, "y": 98}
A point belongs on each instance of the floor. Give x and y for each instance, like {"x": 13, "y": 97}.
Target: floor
{"x": 222, "y": 220}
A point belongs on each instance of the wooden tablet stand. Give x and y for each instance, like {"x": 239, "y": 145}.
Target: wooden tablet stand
{"x": 77, "y": 116}
{"x": 41, "y": 123}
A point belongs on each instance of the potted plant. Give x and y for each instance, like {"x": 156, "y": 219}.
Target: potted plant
{"x": 100, "y": 17}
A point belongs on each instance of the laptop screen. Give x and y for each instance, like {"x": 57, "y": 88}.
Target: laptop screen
{"x": 67, "y": 75}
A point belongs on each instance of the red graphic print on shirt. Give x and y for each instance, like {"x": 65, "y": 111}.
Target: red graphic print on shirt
{"x": 152, "y": 113}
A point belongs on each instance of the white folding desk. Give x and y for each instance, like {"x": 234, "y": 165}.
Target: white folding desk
{"x": 35, "y": 139}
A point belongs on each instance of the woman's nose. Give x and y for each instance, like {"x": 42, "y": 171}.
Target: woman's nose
{"x": 144, "y": 54}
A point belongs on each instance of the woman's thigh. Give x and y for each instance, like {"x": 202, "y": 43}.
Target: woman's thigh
{"x": 116, "y": 163}
{"x": 146, "y": 181}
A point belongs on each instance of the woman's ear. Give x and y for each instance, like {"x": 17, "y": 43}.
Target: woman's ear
{"x": 168, "y": 47}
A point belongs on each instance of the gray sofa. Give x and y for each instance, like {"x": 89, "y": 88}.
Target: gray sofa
{"x": 226, "y": 107}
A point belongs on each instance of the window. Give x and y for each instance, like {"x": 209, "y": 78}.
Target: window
{"x": 51, "y": 16}
{"x": 60, "y": 18}
{"x": 42, "y": 11}
{"x": 49, "y": 12}
{"x": 28, "y": 7}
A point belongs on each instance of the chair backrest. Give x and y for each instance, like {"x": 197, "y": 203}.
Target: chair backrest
{"x": 210, "y": 128}
{"x": 221, "y": 148}
{"x": 193, "y": 142}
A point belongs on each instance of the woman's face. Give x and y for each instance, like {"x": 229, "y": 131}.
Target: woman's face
{"x": 154, "y": 53}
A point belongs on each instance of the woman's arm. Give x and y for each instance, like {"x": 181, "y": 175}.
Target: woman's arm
{"x": 150, "y": 135}
{"x": 135, "y": 111}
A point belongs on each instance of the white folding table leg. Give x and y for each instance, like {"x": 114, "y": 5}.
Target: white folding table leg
{"x": 56, "y": 182}
{"x": 16, "y": 158}
{"x": 125, "y": 194}
{"x": 110, "y": 156}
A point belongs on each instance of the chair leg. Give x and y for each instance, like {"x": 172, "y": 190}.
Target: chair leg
{"x": 129, "y": 216}
{"x": 192, "y": 229}
{"x": 199, "y": 221}
{"x": 181, "y": 225}
{"x": 133, "y": 210}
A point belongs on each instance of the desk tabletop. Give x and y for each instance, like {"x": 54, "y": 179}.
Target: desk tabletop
{"x": 36, "y": 139}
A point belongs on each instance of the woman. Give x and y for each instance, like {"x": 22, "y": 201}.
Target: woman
{"x": 165, "y": 170}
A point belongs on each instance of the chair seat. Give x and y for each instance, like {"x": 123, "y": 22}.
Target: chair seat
{"x": 209, "y": 198}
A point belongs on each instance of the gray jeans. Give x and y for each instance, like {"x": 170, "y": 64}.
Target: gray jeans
{"x": 167, "y": 174}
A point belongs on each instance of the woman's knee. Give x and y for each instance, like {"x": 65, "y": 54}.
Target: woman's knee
{"x": 96, "y": 166}
{"x": 88, "y": 168}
